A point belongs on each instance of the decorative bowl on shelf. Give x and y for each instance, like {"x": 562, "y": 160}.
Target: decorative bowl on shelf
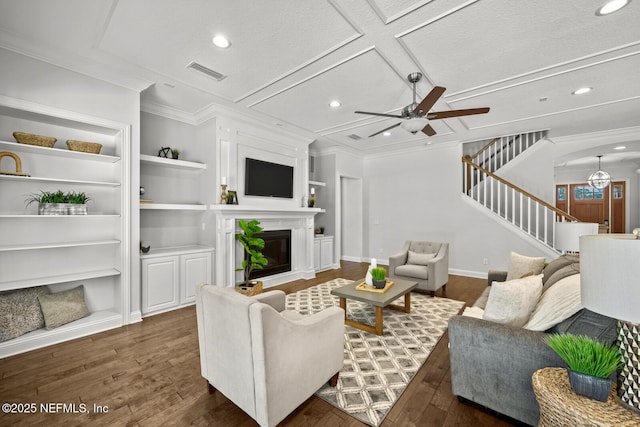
{"x": 33, "y": 139}
{"x": 83, "y": 146}
{"x": 145, "y": 249}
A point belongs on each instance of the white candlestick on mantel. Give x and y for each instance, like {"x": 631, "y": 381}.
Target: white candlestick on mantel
{"x": 223, "y": 180}
{"x": 313, "y": 190}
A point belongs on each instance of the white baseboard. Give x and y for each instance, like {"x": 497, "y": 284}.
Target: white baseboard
{"x": 468, "y": 273}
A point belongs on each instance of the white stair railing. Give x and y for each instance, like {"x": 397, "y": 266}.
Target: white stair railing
{"x": 522, "y": 209}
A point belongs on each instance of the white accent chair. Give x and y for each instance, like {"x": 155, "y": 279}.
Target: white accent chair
{"x": 424, "y": 262}
{"x": 265, "y": 359}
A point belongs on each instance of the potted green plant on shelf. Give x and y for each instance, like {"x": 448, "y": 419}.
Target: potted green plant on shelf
{"x": 254, "y": 259}
{"x": 590, "y": 362}
{"x": 60, "y": 203}
{"x": 378, "y": 277}
{"x": 175, "y": 153}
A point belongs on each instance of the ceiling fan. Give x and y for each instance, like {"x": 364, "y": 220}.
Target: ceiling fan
{"x": 417, "y": 116}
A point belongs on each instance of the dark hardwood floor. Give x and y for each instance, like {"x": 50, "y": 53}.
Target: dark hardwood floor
{"x": 148, "y": 374}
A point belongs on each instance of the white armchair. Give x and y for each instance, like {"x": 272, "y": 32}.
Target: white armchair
{"x": 263, "y": 358}
{"x": 424, "y": 262}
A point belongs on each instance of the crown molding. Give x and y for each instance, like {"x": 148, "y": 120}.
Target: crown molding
{"x": 609, "y": 136}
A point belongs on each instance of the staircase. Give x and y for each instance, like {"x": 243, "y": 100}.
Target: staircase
{"x": 521, "y": 209}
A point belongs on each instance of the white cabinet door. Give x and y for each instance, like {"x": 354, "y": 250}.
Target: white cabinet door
{"x": 194, "y": 268}
{"x": 316, "y": 254}
{"x": 160, "y": 279}
{"x": 326, "y": 252}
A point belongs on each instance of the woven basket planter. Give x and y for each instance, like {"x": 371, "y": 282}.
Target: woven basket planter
{"x": 83, "y": 146}
{"x": 33, "y": 139}
{"x": 62, "y": 209}
{"x": 250, "y": 290}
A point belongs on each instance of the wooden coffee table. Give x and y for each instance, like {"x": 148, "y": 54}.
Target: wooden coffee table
{"x": 378, "y": 300}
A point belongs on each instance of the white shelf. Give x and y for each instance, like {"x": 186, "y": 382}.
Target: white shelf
{"x": 58, "y": 152}
{"x": 250, "y": 208}
{"x": 175, "y": 250}
{"x": 172, "y": 207}
{"x": 177, "y": 164}
{"x": 95, "y": 322}
{"x": 318, "y": 183}
{"x": 59, "y": 180}
{"x": 62, "y": 278}
{"x": 57, "y": 245}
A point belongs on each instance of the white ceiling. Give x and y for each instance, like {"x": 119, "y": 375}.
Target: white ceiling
{"x": 288, "y": 59}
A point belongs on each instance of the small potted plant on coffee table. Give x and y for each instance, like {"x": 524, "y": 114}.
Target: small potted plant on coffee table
{"x": 590, "y": 363}
{"x": 378, "y": 277}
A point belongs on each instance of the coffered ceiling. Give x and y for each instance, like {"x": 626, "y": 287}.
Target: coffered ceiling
{"x": 288, "y": 59}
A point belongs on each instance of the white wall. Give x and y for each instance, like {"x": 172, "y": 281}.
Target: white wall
{"x": 417, "y": 195}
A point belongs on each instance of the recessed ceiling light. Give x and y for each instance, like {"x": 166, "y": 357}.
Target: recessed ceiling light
{"x": 387, "y": 133}
{"x": 620, "y": 147}
{"x": 221, "y": 41}
{"x": 582, "y": 91}
{"x": 611, "y": 6}
{"x": 334, "y": 104}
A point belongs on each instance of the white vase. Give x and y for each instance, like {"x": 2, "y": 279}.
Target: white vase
{"x": 367, "y": 279}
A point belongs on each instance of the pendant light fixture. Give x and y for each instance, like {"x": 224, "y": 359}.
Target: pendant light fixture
{"x": 599, "y": 179}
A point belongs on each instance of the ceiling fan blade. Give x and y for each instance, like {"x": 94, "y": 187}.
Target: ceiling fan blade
{"x": 379, "y": 114}
{"x": 385, "y": 129}
{"x": 429, "y": 100}
{"x": 428, "y": 130}
{"x": 456, "y": 113}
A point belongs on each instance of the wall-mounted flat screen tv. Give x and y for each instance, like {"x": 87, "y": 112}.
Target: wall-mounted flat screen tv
{"x": 267, "y": 179}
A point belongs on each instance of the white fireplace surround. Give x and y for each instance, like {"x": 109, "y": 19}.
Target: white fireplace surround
{"x": 229, "y": 253}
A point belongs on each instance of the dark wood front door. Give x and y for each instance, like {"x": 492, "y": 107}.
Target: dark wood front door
{"x": 605, "y": 207}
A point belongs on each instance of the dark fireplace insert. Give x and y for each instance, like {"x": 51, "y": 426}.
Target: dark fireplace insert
{"x": 277, "y": 250}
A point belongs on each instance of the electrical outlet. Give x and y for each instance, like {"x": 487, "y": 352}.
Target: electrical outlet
{"x": 485, "y": 261}
{"x": 203, "y": 226}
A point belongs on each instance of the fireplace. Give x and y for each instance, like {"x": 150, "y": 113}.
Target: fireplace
{"x": 277, "y": 250}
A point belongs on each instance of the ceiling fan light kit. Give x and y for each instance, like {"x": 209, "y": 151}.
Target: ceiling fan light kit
{"x": 416, "y": 115}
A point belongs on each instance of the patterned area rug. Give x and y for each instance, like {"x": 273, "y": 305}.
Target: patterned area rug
{"x": 377, "y": 369}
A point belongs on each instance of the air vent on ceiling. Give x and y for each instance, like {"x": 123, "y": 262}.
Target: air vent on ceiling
{"x": 204, "y": 70}
{"x": 354, "y": 136}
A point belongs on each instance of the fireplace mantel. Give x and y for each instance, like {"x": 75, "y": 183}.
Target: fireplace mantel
{"x": 259, "y": 210}
{"x": 297, "y": 219}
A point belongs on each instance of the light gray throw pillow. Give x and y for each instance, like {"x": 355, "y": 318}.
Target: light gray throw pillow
{"x": 513, "y": 301}
{"x": 557, "y": 304}
{"x": 519, "y": 265}
{"x": 417, "y": 258}
{"x": 63, "y": 307}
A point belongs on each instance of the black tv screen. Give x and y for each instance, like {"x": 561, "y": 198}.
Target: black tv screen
{"x": 267, "y": 179}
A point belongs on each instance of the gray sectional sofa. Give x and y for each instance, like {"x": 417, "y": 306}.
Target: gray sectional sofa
{"x": 492, "y": 363}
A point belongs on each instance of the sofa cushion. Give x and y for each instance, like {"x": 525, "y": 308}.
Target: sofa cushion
{"x": 20, "y": 312}
{"x": 417, "y": 258}
{"x": 586, "y": 322}
{"x": 520, "y": 265}
{"x": 409, "y": 270}
{"x": 513, "y": 301}
{"x": 556, "y": 304}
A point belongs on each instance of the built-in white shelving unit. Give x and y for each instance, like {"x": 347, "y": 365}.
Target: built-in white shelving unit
{"x": 62, "y": 252}
{"x": 172, "y": 222}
